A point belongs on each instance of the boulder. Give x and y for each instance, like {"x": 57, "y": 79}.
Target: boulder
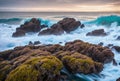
{"x": 33, "y": 25}
{"x": 79, "y": 63}
{"x": 55, "y": 29}
{"x": 37, "y": 69}
{"x": 69, "y": 24}
{"x": 99, "y": 32}
{"x": 19, "y": 33}
{"x": 96, "y": 52}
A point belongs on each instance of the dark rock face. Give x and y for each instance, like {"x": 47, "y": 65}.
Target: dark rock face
{"x": 44, "y": 62}
{"x": 99, "y": 32}
{"x": 19, "y": 33}
{"x": 118, "y": 79}
{"x": 118, "y": 38}
{"x": 33, "y": 25}
{"x": 114, "y": 62}
{"x": 97, "y": 53}
{"x": 55, "y": 29}
{"x": 101, "y": 44}
{"x": 117, "y": 48}
{"x": 67, "y": 25}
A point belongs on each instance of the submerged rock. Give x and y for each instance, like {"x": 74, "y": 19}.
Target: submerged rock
{"x": 118, "y": 79}
{"x": 99, "y": 32}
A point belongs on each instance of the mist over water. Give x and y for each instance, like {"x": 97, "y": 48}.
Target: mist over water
{"x": 9, "y": 21}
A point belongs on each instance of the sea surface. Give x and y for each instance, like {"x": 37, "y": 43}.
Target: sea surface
{"x": 109, "y": 21}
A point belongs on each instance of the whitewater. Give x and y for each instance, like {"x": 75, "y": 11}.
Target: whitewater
{"x": 111, "y": 25}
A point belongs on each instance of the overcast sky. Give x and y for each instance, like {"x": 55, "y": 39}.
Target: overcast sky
{"x": 60, "y": 5}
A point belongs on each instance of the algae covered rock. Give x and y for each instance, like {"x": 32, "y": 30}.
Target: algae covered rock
{"x": 78, "y": 63}
{"x": 44, "y": 68}
{"x": 96, "y": 52}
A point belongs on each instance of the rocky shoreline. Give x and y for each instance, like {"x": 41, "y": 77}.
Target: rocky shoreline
{"x": 45, "y": 62}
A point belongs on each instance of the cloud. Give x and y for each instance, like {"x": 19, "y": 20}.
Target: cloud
{"x": 7, "y": 4}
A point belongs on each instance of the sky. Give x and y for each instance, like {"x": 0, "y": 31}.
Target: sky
{"x": 61, "y": 5}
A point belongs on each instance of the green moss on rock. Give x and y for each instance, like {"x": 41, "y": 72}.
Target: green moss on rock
{"x": 78, "y": 63}
{"x": 44, "y": 68}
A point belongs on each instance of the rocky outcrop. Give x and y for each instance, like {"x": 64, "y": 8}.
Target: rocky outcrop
{"x": 99, "y": 32}
{"x": 37, "y": 69}
{"x": 44, "y": 62}
{"x": 55, "y": 29}
{"x": 33, "y": 25}
{"x": 79, "y": 63}
{"x": 96, "y": 52}
{"x": 65, "y": 25}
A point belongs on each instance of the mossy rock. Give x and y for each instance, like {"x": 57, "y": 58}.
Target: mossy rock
{"x": 78, "y": 63}
{"x": 44, "y": 68}
{"x": 4, "y": 69}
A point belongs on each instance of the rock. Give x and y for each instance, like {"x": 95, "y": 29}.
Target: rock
{"x": 69, "y": 24}
{"x": 36, "y": 42}
{"x": 30, "y": 43}
{"x": 33, "y": 25}
{"x": 97, "y": 53}
{"x": 99, "y": 32}
{"x": 118, "y": 38}
{"x": 44, "y": 26}
{"x": 78, "y": 63}
{"x": 110, "y": 45}
{"x": 118, "y": 79}
{"x": 19, "y": 33}
{"x": 55, "y": 29}
{"x": 114, "y": 62}
{"x": 82, "y": 26}
{"x": 117, "y": 48}
{"x": 37, "y": 69}
{"x": 101, "y": 43}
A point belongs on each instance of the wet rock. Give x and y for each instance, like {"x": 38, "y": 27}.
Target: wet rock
{"x": 82, "y": 26}
{"x": 78, "y": 63}
{"x": 37, "y": 69}
{"x": 117, "y": 48}
{"x": 114, "y": 62}
{"x": 30, "y": 43}
{"x": 101, "y": 43}
{"x": 110, "y": 45}
{"x": 118, "y": 38}
{"x": 19, "y": 33}
{"x": 69, "y": 24}
{"x": 97, "y": 53}
{"x": 118, "y": 79}
{"x": 55, "y": 29}
{"x": 44, "y": 26}
{"x": 36, "y": 42}
{"x": 99, "y": 32}
{"x": 33, "y": 25}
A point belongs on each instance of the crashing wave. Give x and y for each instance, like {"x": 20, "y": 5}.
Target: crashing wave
{"x": 106, "y": 20}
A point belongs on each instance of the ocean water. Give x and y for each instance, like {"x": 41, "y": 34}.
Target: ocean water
{"x": 110, "y": 22}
